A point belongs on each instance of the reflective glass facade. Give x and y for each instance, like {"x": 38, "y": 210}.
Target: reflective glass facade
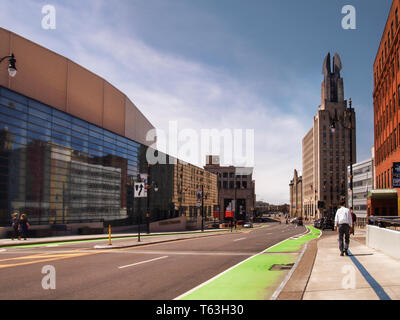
{"x": 60, "y": 169}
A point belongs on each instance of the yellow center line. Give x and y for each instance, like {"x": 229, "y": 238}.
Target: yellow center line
{"x": 42, "y": 258}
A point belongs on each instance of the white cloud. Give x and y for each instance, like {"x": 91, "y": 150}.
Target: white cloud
{"x": 169, "y": 87}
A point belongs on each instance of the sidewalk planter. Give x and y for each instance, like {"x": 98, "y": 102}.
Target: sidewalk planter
{"x": 385, "y": 240}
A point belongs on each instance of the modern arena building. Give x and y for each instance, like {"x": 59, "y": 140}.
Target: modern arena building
{"x": 72, "y": 146}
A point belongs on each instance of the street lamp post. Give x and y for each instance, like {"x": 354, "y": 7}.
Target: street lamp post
{"x": 12, "y": 70}
{"x": 202, "y": 208}
{"x": 348, "y": 114}
{"x": 150, "y": 186}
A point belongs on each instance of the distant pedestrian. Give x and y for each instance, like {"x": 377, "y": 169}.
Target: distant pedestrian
{"x": 343, "y": 223}
{"x": 23, "y": 226}
{"x": 15, "y": 225}
{"x": 354, "y": 219}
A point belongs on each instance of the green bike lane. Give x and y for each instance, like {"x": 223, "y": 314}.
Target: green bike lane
{"x": 252, "y": 278}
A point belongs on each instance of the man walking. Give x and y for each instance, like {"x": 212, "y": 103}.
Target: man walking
{"x": 343, "y": 223}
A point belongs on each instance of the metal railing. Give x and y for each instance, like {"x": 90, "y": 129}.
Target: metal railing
{"x": 391, "y": 222}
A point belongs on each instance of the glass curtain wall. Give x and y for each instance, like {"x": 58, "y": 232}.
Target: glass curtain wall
{"x": 59, "y": 169}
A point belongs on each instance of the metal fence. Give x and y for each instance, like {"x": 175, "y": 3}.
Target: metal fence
{"x": 390, "y": 222}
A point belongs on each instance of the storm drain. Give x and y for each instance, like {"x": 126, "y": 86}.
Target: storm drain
{"x": 281, "y": 267}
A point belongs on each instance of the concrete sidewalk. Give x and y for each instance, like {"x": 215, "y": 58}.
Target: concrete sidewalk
{"x": 366, "y": 274}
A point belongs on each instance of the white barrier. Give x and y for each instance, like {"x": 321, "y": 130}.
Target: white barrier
{"x": 385, "y": 240}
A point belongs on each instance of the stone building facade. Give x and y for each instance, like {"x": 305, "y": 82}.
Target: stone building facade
{"x": 296, "y": 196}
{"x": 234, "y": 183}
{"x": 326, "y": 146}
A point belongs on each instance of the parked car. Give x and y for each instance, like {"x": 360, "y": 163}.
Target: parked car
{"x": 248, "y": 225}
{"x": 318, "y": 223}
{"x": 324, "y": 223}
{"x": 300, "y": 221}
{"x": 294, "y": 220}
{"x": 328, "y": 224}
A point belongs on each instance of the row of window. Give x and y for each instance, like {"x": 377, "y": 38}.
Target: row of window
{"x": 384, "y": 180}
{"x": 231, "y": 185}
{"x": 387, "y": 45}
{"x": 386, "y": 116}
{"x": 389, "y": 145}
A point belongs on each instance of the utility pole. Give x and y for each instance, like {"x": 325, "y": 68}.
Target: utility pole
{"x": 202, "y": 208}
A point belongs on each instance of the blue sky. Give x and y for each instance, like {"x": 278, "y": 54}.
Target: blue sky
{"x": 221, "y": 64}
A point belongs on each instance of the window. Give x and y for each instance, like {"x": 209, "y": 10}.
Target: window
{"x": 393, "y": 69}
{"x": 387, "y": 115}
{"x": 391, "y": 28}
{"x": 385, "y": 50}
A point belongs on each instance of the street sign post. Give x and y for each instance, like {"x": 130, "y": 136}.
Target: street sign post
{"x": 139, "y": 190}
{"x": 396, "y": 175}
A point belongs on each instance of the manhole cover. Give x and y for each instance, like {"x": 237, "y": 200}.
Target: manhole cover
{"x": 281, "y": 267}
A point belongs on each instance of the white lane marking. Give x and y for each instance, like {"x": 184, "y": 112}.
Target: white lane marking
{"x": 239, "y": 239}
{"x": 2, "y": 250}
{"x": 52, "y": 245}
{"x": 137, "y": 263}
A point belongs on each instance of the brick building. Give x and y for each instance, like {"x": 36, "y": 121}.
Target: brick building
{"x": 386, "y": 96}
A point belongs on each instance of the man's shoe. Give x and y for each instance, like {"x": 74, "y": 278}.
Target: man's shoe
{"x": 341, "y": 254}
{"x": 346, "y": 252}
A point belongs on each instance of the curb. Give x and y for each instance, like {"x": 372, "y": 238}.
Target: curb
{"x": 289, "y": 275}
{"x": 105, "y": 237}
{"x": 140, "y": 244}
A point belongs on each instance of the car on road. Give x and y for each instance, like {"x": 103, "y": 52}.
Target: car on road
{"x": 294, "y": 220}
{"x": 324, "y": 223}
{"x": 299, "y": 221}
{"x": 328, "y": 224}
{"x": 318, "y": 223}
{"x": 248, "y": 225}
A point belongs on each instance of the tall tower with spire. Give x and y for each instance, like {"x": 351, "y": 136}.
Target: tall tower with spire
{"x": 326, "y": 154}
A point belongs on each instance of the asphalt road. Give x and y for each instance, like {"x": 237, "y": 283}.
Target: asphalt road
{"x": 157, "y": 271}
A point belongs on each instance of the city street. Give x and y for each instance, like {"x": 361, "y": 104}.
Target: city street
{"x": 155, "y": 271}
